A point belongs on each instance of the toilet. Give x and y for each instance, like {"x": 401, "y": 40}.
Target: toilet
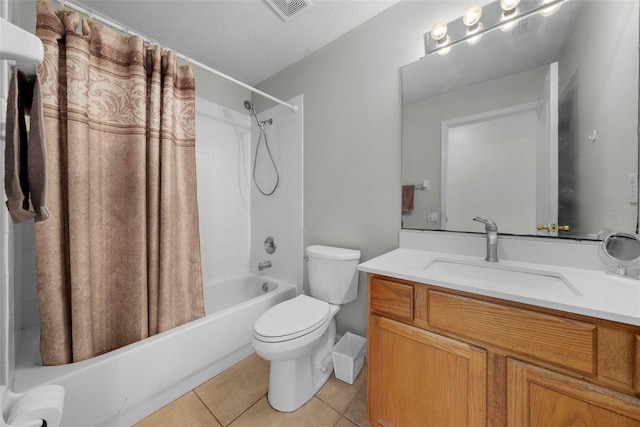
{"x": 297, "y": 335}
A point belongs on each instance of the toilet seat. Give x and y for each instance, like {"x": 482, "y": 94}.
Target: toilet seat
{"x": 291, "y": 319}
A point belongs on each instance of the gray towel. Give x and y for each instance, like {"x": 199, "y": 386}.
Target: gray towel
{"x": 25, "y": 167}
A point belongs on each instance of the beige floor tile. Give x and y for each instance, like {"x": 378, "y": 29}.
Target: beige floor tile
{"x": 314, "y": 413}
{"x": 339, "y": 394}
{"x": 343, "y": 422}
{"x": 233, "y": 391}
{"x": 237, "y": 397}
{"x": 357, "y": 410}
{"x": 186, "y": 411}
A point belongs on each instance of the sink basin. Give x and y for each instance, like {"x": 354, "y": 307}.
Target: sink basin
{"x": 500, "y": 277}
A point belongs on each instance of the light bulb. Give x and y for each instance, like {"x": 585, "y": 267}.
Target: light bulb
{"x": 471, "y": 19}
{"x": 472, "y": 16}
{"x": 509, "y": 5}
{"x": 439, "y": 31}
{"x": 509, "y": 12}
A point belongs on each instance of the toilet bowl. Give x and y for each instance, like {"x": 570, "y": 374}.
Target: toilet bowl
{"x": 301, "y": 360}
{"x": 297, "y": 335}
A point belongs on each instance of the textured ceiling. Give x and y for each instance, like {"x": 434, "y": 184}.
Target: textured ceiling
{"x": 245, "y": 39}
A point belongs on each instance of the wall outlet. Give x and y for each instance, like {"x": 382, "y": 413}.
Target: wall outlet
{"x": 633, "y": 189}
{"x": 432, "y": 217}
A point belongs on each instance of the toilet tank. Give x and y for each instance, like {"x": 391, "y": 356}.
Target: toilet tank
{"x": 333, "y": 274}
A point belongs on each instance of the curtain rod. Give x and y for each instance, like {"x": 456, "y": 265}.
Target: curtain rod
{"x": 115, "y": 25}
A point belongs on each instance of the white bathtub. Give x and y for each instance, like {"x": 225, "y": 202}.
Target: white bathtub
{"x": 123, "y": 386}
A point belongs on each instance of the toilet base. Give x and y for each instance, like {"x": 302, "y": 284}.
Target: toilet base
{"x": 293, "y": 382}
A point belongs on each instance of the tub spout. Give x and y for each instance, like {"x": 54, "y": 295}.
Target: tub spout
{"x": 264, "y": 264}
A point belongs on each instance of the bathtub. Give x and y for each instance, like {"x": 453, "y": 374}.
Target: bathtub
{"x": 123, "y": 386}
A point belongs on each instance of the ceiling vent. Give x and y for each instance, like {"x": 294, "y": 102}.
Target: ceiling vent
{"x": 287, "y": 9}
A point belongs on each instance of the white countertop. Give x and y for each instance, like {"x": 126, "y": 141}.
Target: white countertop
{"x": 574, "y": 290}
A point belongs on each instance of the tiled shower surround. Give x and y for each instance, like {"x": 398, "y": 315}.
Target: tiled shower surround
{"x": 235, "y": 218}
{"x": 279, "y": 215}
{"x": 222, "y": 157}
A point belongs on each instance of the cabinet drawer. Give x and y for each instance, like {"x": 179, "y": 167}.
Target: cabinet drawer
{"x": 392, "y": 299}
{"x": 563, "y": 342}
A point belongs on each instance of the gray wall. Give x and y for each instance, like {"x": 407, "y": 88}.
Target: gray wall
{"x": 352, "y": 132}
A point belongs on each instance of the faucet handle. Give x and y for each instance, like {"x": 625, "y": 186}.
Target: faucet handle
{"x": 489, "y": 225}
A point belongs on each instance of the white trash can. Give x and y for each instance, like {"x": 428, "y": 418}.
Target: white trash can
{"x": 348, "y": 357}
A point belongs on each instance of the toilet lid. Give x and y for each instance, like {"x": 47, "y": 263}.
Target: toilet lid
{"x": 291, "y": 319}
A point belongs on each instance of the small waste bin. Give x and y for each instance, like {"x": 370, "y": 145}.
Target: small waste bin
{"x": 348, "y": 357}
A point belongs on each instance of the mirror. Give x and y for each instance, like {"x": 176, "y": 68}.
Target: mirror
{"x": 535, "y": 128}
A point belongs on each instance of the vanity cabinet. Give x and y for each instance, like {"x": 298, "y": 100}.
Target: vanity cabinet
{"x": 540, "y": 397}
{"x": 425, "y": 376}
{"x": 438, "y": 357}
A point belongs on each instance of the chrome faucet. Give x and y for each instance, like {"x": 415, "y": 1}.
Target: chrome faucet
{"x": 264, "y": 264}
{"x": 492, "y": 238}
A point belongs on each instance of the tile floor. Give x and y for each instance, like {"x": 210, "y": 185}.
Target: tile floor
{"x": 238, "y": 397}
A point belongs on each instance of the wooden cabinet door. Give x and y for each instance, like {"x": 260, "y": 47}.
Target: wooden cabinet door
{"x": 417, "y": 378}
{"x": 539, "y": 397}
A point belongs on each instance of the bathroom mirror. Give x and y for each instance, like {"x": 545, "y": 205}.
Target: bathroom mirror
{"x": 535, "y": 127}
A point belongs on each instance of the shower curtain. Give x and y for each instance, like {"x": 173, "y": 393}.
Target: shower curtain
{"x": 119, "y": 259}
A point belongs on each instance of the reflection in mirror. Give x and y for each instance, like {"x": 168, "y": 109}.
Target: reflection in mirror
{"x": 573, "y": 91}
{"x": 503, "y": 142}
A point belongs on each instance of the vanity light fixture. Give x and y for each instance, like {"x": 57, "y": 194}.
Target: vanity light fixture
{"x": 509, "y": 11}
{"x": 439, "y": 34}
{"x": 472, "y": 16}
{"x": 509, "y": 6}
{"x": 471, "y": 20}
{"x": 504, "y": 14}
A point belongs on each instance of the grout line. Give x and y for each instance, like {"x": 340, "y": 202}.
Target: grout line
{"x": 350, "y": 402}
{"x": 249, "y": 407}
{"x": 344, "y": 413}
{"x": 362, "y": 386}
{"x": 205, "y": 405}
{"x": 348, "y": 420}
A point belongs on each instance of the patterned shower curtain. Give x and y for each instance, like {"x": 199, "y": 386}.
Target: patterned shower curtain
{"x": 119, "y": 259}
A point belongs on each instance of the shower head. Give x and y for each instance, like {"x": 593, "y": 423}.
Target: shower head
{"x": 249, "y": 106}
